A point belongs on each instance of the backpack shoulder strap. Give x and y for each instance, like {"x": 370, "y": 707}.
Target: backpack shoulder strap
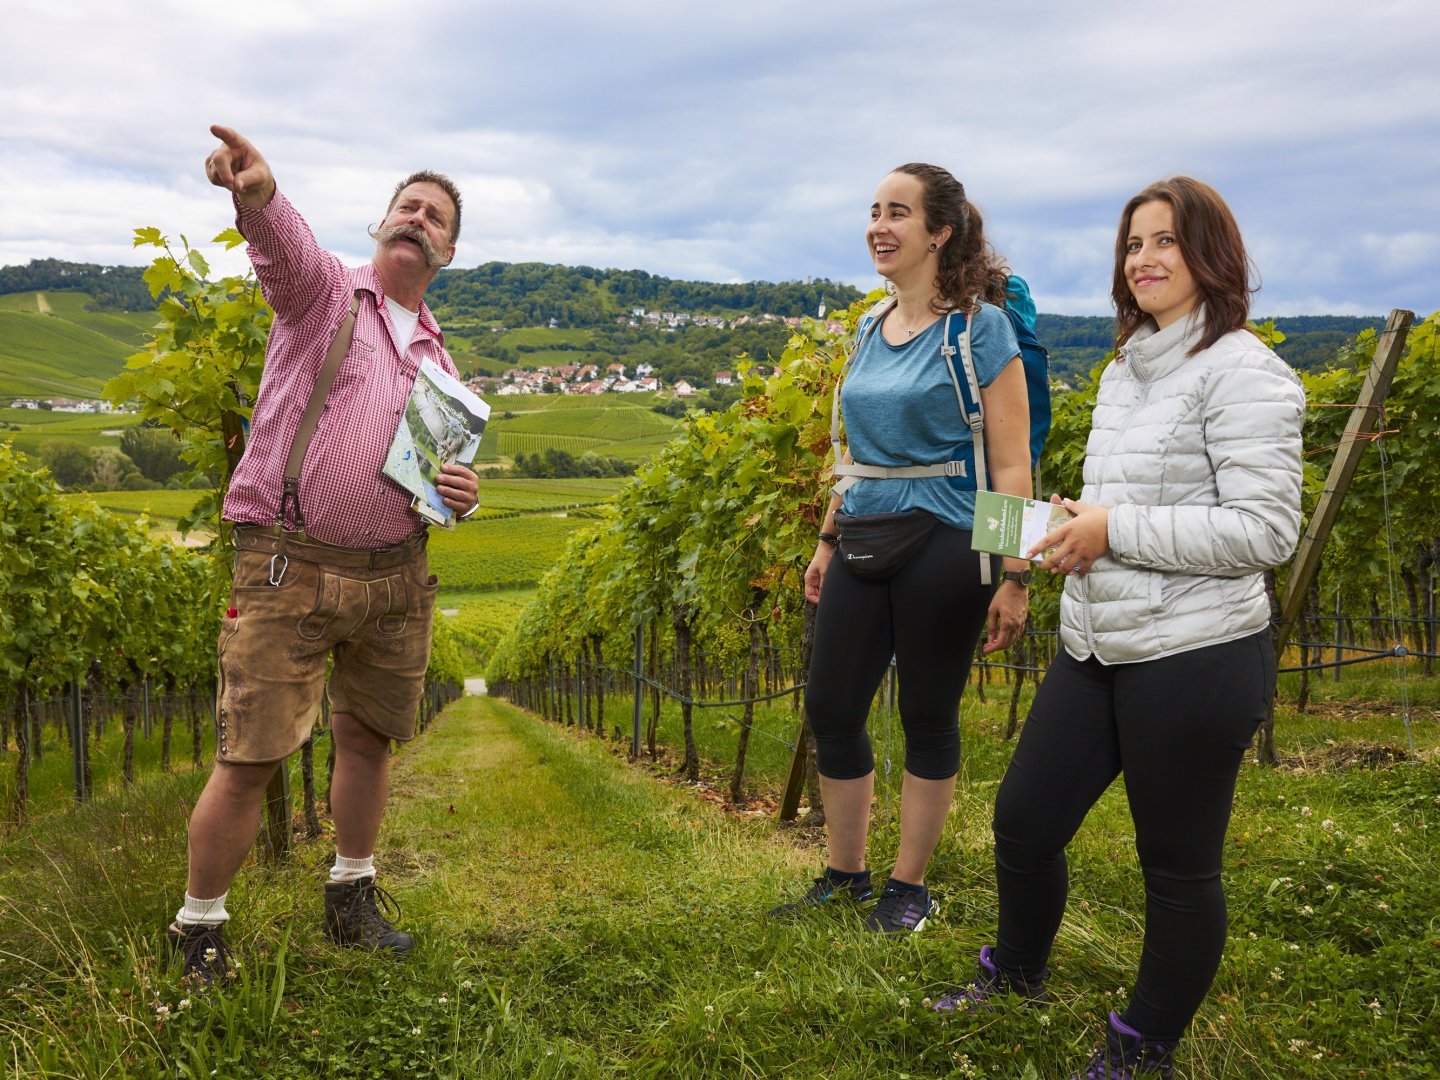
{"x": 956, "y": 339}
{"x": 863, "y": 329}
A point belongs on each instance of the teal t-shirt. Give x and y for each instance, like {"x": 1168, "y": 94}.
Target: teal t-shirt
{"x": 900, "y": 408}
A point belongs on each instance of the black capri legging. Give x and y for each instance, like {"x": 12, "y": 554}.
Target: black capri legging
{"x": 929, "y": 617}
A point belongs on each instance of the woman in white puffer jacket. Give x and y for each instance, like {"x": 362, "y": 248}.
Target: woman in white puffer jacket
{"x": 1192, "y": 491}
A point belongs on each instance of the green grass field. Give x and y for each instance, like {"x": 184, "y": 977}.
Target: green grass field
{"x": 51, "y": 347}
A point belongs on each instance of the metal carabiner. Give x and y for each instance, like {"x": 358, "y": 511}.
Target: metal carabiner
{"x": 276, "y": 579}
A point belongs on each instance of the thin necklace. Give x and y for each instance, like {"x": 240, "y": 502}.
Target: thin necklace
{"x": 909, "y": 333}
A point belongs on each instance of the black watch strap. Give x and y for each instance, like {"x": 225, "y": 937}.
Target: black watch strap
{"x": 1020, "y": 577}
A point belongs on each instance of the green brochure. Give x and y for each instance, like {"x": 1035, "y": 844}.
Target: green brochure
{"x": 1011, "y": 525}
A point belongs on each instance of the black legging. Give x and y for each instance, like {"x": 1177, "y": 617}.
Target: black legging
{"x": 929, "y": 617}
{"x": 1177, "y": 728}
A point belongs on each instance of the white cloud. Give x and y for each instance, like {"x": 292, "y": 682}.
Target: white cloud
{"x": 743, "y": 140}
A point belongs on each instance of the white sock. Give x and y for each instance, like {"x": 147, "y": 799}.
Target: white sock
{"x": 352, "y": 869}
{"x": 207, "y": 912}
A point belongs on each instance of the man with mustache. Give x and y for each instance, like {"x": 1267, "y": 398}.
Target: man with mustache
{"x": 330, "y": 559}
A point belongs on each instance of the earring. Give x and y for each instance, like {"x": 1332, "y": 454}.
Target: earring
{"x": 934, "y": 247}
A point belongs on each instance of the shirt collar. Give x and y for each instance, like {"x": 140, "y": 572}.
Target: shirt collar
{"x": 365, "y": 277}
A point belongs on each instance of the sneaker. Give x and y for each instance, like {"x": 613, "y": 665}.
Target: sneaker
{"x": 991, "y": 982}
{"x": 207, "y": 957}
{"x": 1127, "y": 1055}
{"x": 824, "y": 892}
{"x": 353, "y": 916}
{"x": 901, "y": 911}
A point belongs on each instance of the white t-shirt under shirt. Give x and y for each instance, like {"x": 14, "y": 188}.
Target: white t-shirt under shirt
{"x": 404, "y": 323}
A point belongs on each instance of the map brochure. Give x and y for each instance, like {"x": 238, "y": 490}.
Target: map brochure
{"x": 442, "y": 423}
{"x": 1011, "y": 525}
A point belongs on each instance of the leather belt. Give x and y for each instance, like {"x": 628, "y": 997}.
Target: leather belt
{"x": 297, "y": 545}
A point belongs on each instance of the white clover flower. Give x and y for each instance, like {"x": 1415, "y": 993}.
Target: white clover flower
{"x": 1276, "y": 975}
{"x": 1305, "y": 811}
{"x": 709, "y": 1010}
{"x": 467, "y": 985}
{"x": 1330, "y": 887}
{"x": 1328, "y": 825}
{"x": 183, "y": 1003}
{"x": 1294, "y": 947}
{"x": 415, "y": 1030}
{"x": 443, "y": 999}
{"x": 1383, "y": 906}
{"x": 1044, "y": 1019}
{"x": 1307, "y": 910}
{"x": 1253, "y": 936}
{"x": 1375, "y": 1009}
{"x": 163, "y": 1011}
{"x": 904, "y": 1002}
{"x": 1296, "y": 1045}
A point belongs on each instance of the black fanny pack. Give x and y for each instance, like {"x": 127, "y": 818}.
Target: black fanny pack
{"x": 878, "y": 545}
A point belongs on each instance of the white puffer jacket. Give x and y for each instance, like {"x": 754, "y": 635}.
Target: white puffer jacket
{"x": 1198, "y": 458}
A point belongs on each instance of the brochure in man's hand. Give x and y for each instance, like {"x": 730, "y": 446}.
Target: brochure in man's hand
{"x": 442, "y": 423}
{"x": 1011, "y": 525}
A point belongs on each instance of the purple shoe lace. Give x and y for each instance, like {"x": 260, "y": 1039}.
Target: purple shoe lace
{"x": 1127, "y": 1055}
{"x": 990, "y": 982}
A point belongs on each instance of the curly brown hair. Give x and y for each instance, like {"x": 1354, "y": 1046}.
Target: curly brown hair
{"x": 970, "y": 268}
{"x": 1214, "y": 253}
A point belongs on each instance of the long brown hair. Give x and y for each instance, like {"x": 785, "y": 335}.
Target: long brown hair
{"x": 970, "y": 269}
{"x": 1213, "y": 250}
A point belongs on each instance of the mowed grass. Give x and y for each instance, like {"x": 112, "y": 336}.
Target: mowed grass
{"x": 500, "y": 553}
{"x": 611, "y": 425}
{"x": 509, "y": 495}
{"x": 127, "y": 327}
{"x": 55, "y": 355}
{"x": 576, "y": 918}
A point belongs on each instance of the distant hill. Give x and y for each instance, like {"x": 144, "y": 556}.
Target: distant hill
{"x": 96, "y": 315}
{"x": 1078, "y": 342}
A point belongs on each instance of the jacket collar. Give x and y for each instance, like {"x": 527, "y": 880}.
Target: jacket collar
{"x": 1153, "y": 353}
{"x": 364, "y": 277}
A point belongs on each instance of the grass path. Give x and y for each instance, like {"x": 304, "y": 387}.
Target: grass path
{"x": 576, "y": 918}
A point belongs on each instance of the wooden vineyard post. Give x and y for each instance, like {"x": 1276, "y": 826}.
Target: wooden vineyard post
{"x": 275, "y": 831}
{"x": 639, "y": 690}
{"x": 1364, "y": 418}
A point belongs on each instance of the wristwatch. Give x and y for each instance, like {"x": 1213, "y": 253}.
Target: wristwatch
{"x": 1021, "y": 577}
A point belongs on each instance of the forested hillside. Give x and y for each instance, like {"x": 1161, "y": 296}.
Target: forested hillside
{"x": 477, "y": 305}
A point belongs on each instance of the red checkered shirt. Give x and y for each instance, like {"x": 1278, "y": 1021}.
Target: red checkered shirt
{"x": 345, "y": 498}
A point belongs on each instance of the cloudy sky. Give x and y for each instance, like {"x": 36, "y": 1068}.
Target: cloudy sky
{"x": 743, "y": 139}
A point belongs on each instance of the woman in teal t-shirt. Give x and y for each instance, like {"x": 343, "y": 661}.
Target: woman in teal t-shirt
{"x": 900, "y": 409}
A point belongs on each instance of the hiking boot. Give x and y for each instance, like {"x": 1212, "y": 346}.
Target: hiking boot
{"x": 1127, "y": 1055}
{"x": 207, "y": 957}
{"x": 826, "y": 893}
{"x": 353, "y": 916}
{"x": 990, "y": 982}
{"x": 901, "y": 911}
